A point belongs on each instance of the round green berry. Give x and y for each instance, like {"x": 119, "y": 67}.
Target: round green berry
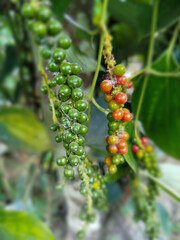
{"x": 66, "y": 145}
{"x": 58, "y": 114}
{"x": 64, "y": 42}
{"x": 74, "y": 81}
{"x": 61, "y": 161}
{"x": 80, "y": 151}
{"x": 77, "y": 94}
{"x": 82, "y": 118}
{"x": 58, "y": 139}
{"x": 73, "y": 146}
{"x": 81, "y": 141}
{"x": 68, "y": 172}
{"x": 113, "y": 105}
{"x": 92, "y": 218}
{"x": 65, "y": 122}
{"x": 76, "y": 69}
{"x": 83, "y": 130}
{"x": 65, "y": 68}
{"x": 54, "y": 127}
{"x": 44, "y": 14}
{"x": 80, "y": 234}
{"x": 39, "y": 29}
{"x": 65, "y": 108}
{"x": 81, "y": 105}
{"x": 74, "y": 160}
{"x": 119, "y": 70}
{"x": 52, "y": 83}
{"x": 46, "y": 53}
{"x": 54, "y": 27}
{"x": 64, "y": 91}
{"x": 44, "y": 90}
{"x": 60, "y": 79}
{"x": 59, "y": 55}
{"x": 73, "y": 114}
{"x": 117, "y": 159}
{"x": 76, "y": 128}
{"x": 113, "y": 125}
{"x": 68, "y": 136}
{"x": 53, "y": 67}
{"x": 28, "y": 10}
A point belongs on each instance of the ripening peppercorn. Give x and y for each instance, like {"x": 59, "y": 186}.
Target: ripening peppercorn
{"x": 106, "y": 86}
{"x": 148, "y": 148}
{"x": 121, "y": 144}
{"x": 121, "y": 98}
{"x": 121, "y": 80}
{"x": 144, "y": 140}
{"x": 140, "y": 154}
{"x": 96, "y": 185}
{"x": 108, "y": 97}
{"x": 127, "y": 117}
{"x": 117, "y": 159}
{"x": 113, "y": 105}
{"x": 117, "y": 115}
{"x": 125, "y": 136}
{"x": 108, "y": 160}
{"x": 112, "y": 169}
{"x": 135, "y": 148}
{"x": 113, "y": 148}
{"x": 107, "y": 139}
{"x": 119, "y": 70}
{"x": 130, "y": 84}
{"x": 112, "y": 139}
{"x": 123, "y": 150}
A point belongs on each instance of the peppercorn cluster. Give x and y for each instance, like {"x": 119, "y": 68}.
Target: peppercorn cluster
{"x": 115, "y": 87}
{"x": 68, "y": 107}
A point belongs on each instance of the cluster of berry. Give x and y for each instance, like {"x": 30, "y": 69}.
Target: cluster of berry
{"x": 114, "y": 88}
{"x": 68, "y": 106}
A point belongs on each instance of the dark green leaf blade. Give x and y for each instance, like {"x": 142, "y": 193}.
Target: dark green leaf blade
{"x": 160, "y": 111}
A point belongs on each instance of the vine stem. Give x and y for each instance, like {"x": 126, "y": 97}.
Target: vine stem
{"x": 99, "y": 107}
{"x": 148, "y": 65}
{"x": 101, "y": 25}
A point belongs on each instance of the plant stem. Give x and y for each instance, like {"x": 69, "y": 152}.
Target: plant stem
{"x": 99, "y": 107}
{"x": 101, "y": 25}
{"x": 149, "y": 62}
{"x": 136, "y": 74}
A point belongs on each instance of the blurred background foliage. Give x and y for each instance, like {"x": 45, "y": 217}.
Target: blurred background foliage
{"x": 28, "y": 175}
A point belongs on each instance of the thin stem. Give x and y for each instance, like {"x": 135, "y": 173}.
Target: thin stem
{"x": 99, "y": 107}
{"x": 163, "y": 74}
{"x": 149, "y": 62}
{"x": 136, "y": 74}
{"x": 101, "y": 25}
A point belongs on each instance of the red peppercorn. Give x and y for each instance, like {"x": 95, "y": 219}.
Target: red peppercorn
{"x": 144, "y": 140}
{"x": 127, "y": 117}
{"x": 121, "y": 80}
{"x": 135, "y": 148}
{"x": 108, "y": 98}
{"x": 113, "y": 148}
{"x": 122, "y": 144}
{"x": 125, "y": 136}
{"x": 117, "y": 115}
{"x": 123, "y": 150}
{"x": 121, "y": 98}
{"x": 130, "y": 84}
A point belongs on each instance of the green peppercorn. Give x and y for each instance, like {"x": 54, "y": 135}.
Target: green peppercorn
{"x": 39, "y": 29}
{"x": 58, "y": 139}
{"x": 81, "y": 141}
{"x": 74, "y": 114}
{"x": 54, "y": 27}
{"x": 75, "y": 68}
{"x": 80, "y": 151}
{"x": 65, "y": 122}
{"x": 73, "y": 146}
{"x": 64, "y": 91}
{"x": 82, "y": 118}
{"x": 61, "y": 161}
{"x": 81, "y": 105}
{"x": 117, "y": 159}
{"x": 59, "y": 55}
{"x": 77, "y": 94}
{"x": 74, "y": 160}
{"x": 64, "y": 42}
{"x": 54, "y": 127}
{"x": 65, "y": 68}
{"x": 113, "y": 125}
{"x": 28, "y": 10}
{"x": 68, "y": 136}
{"x": 65, "y": 108}
{"x": 60, "y": 79}
{"x": 68, "y": 172}
{"x": 74, "y": 81}
{"x": 110, "y": 117}
{"x": 53, "y": 67}
{"x": 44, "y": 14}
{"x": 76, "y": 128}
{"x": 44, "y": 90}
{"x": 83, "y": 130}
{"x": 52, "y": 83}
{"x": 119, "y": 70}
{"x": 46, "y": 53}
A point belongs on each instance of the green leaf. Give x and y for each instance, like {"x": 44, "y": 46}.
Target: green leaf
{"x": 59, "y": 7}
{"x": 21, "y": 129}
{"x": 115, "y": 177}
{"x": 20, "y": 226}
{"x": 87, "y": 64}
{"x": 160, "y": 112}
{"x": 129, "y": 156}
{"x": 141, "y": 14}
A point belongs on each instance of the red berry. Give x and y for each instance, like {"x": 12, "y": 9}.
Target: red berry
{"x": 123, "y": 150}
{"x": 121, "y": 80}
{"x": 107, "y": 139}
{"x": 122, "y": 144}
{"x": 130, "y": 84}
{"x": 127, "y": 117}
{"x": 121, "y": 98}
{"x": 144, "y": 140}
{"x": 135, "y": 148}
{"x": 106, "y": 86}
{"x": 117, "y": 115}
